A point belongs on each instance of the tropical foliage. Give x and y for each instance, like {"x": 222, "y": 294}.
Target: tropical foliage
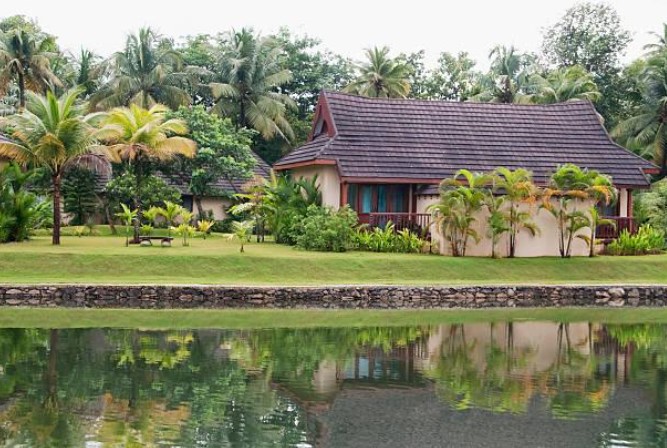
{"x": 647, "y": 240}
{"x": 381, "y": 76}
{"x": 251, "y": 76}
{"x": 25, "y": 58}
{"x": 144, "y": 74}
{"x": 326, "y": 230}
{"x": 140, "y": 137}
{"x": 52, "y": 133}
{"x": 569, "y": 188}
{"x": 21, "y": 211}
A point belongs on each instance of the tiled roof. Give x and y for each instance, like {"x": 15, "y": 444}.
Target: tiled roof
{"x": 431, "y": 140}
{"x": 223, "y": 184}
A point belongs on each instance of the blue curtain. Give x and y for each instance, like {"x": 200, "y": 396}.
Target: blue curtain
{"x": 366, "y": 199}
{"x": 399, "y": 199}
{"x": 382, "y": 198}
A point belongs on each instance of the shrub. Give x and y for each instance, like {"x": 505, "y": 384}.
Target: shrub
{"x": 21, "y": 211}
{"x": 388, "y": 240}
{"x": 651, "y": 206}
{"x": 647, "y": 240}
{"x": 325, "y": 229}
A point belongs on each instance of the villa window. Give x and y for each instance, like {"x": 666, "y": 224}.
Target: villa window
{"x": 373, "y": 198}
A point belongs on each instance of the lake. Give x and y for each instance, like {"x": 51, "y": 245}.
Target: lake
{"x": 474, "y": 384}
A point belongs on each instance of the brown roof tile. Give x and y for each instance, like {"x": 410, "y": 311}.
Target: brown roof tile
{"x": 391, "y": 138}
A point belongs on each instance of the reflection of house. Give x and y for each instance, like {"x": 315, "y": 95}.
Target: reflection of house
{"x": 386, "y": 157}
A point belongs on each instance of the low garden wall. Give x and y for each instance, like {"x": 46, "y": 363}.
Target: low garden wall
{"x": 396, "y": 297}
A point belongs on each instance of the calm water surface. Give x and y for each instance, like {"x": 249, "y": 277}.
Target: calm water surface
{"x": 522, "y": 384}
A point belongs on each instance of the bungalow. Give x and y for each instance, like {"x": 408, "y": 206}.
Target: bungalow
{"x": 386, "y": 157}
{"x": 217, "y": 204}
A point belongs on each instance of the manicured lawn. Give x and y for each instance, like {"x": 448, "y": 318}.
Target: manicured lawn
{"x": 250, "y": 319}
{"x": 218, "y": 261}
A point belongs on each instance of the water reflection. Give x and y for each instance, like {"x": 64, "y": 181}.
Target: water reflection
{"x": 482, "y": 384}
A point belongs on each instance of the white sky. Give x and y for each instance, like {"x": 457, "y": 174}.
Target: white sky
{"x": 344, "y": 26}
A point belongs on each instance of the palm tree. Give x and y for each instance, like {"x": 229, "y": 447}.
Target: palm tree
{"x": 661, "y": 44}
{"x": 381, "y": 76}
{"x": 461, "y": 197}
{"x": 139, "y": 136}
{"x": 52, "y": 133}
{"x": 564, "y": 84}
{"x": 26, "y": 59}
{"x": 87, "y": 72}
{"x": 519, "y": 191}
{"x": 647, "y": 129}
{"x": 568, "y": 187}
{"x": 252, "y": 75}
{"x": 145, "y": 74}
{"x": 507, "y": 78}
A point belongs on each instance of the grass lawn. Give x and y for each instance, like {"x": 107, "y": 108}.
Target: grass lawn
{"x": 252, "y": 319}
{"x": 105, "y": 259}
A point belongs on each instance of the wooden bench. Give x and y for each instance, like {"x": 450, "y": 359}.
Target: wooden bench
{"x": 164, "y": 240}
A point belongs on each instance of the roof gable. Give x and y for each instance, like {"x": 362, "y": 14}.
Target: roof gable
{"x": 430, "y": 140}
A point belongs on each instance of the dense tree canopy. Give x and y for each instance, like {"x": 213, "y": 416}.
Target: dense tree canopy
{"x": 270, "y": 84}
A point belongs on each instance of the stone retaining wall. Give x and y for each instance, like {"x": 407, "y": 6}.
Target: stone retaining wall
{"x": 330, "y": 297}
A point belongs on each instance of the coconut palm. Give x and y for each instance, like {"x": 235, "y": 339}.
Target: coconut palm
{"x": 647, "y": 129}
{"x": 252, "y": 74}
{"x": 24, "y": 58}
{"x": 140, "y": 136}
{"x": 87, "y": 72}
{"x": 519, "y": 191}
{"x": 381, "y": 76}
{"x": 507, "y": 78}
{"x": 145, "y": 74}
{"x": 661, "y": 45}
{"x": 52, "y": 133}
{"x": 564, "y": 84}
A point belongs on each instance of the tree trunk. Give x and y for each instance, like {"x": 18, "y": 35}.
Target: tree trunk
{"x": 200, "y": 209}
{"x": 109, "y": 218}
{"x": 56, "y": 209}
{"x": 21, "y": 83}
{"x": 137, "y": 201}
{"x": 51, "y": 376}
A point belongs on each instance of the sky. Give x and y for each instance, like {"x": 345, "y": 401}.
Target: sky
{"x": 344, "y": 26}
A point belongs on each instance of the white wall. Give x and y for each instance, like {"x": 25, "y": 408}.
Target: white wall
{"x": 217, "y": 205}
{"x": 328, "y": 180}
{"x": 543, "y": 245}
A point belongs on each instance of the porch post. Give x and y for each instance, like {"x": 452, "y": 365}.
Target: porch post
{"x": 343, "y": 193}
{"x": 411, "y": 200}
{"x": 629, "y": 202}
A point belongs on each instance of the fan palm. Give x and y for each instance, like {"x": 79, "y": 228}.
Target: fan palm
{"x": 26, "y": 59}
{"x": 565, "y": 84}
{"x": 647, "y": 129}
{"x": 145, "y": 74}
{"x": 381, "y": 76}
{"x": 52, "y": 133}
{"x": 252, "y": 75}
{"x": 139, "y": 136}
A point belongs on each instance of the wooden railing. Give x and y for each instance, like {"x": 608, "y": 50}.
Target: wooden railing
{"x": 417, "y": 222}
{"x": 608, "y": 232}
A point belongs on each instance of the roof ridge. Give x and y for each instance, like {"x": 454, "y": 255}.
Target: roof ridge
{"x": 333, "y": 93}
